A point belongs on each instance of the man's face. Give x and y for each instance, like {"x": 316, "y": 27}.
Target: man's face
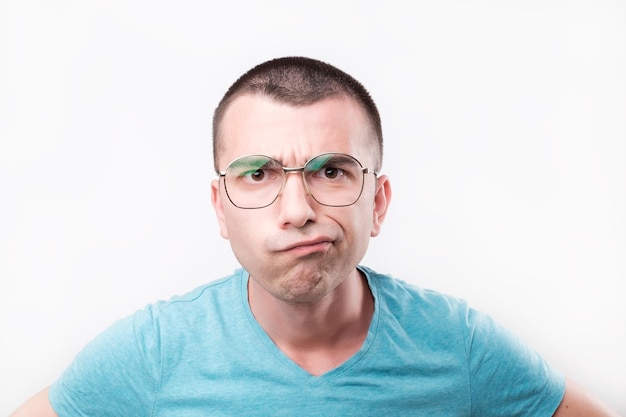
{"x": 297, "y": 249}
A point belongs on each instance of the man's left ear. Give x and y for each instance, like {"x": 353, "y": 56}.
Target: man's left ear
{"x": 382, "y": 198}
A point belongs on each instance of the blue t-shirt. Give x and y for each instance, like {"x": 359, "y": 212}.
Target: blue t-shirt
{"x": 204, "y": 354}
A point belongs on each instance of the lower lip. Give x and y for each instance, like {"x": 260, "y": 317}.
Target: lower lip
{"x": 310, "y": 249}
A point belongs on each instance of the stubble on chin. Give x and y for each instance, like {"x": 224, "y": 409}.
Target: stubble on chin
{"x": 302, "y": 283}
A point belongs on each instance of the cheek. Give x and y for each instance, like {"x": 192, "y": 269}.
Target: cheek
{"x": 365, "y": 208}
{"x": 358, "y": 223}
{"x": 244, "y": 236}
{"x": 240, "y": 224}
{"x": 247, "y": 229}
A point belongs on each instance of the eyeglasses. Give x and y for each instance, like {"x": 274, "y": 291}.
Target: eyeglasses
{"x": 332, "y": 179}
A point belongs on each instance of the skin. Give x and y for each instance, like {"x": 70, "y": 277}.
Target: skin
{"x": 262, "y": 239}
{"x": 305, "y": 290}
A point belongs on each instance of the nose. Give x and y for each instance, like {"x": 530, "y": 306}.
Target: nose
{"x": 295, "y": 202}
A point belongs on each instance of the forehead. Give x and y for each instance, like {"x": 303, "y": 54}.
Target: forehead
{"x": 255, "y": 124}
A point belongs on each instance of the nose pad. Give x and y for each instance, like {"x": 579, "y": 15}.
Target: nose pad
{"x": 295, "y": 202}
{"x": 303, "y": 183}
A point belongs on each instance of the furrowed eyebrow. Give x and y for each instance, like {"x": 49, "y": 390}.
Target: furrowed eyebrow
{"x": 251, "y": 163}
{"x": 318, "y": 163}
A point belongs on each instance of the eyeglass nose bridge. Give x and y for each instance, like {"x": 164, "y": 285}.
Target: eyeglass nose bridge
{"x": 288, "y": 171}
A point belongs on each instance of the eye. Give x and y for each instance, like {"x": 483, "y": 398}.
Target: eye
{"x": 331, "y": 172}
{"x": 254, "y": 170}
{"x": 257, "y": 175}
{"x": 260, "y": 175}
{"x": 333, "y": 168}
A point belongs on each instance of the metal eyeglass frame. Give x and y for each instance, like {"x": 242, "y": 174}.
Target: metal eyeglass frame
{"x": 287, "y": 170}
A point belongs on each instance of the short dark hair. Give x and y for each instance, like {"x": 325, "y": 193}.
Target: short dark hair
{"x": 299, "y": 81}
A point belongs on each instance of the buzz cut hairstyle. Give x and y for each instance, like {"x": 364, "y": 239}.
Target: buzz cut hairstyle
{"x": 299, "y": 81}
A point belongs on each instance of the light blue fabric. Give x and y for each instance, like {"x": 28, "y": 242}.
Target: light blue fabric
{"x": 203, "y": 354}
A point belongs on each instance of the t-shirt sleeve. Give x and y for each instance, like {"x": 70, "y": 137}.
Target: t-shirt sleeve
{"x": 116, "y": 374}
{"x": 507, "y": 378}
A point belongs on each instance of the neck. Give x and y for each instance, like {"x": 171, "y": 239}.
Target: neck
{"x": 318, "y": 335}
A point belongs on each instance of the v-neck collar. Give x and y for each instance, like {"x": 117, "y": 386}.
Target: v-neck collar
{"x": 287, "y": 363}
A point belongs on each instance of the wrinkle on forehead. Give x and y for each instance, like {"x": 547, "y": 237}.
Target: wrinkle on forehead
{"x": 336, "y": 124}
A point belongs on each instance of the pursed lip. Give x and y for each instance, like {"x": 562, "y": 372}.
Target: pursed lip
{"x": 308, "y": 244}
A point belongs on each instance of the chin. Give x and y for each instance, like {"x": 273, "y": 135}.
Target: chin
{"x": 308, "y": 288}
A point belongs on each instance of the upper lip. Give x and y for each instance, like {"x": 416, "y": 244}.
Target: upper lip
{"x": 308, "y": 242}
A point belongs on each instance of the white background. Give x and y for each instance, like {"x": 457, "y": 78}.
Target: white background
{"x": 505, "y": 129}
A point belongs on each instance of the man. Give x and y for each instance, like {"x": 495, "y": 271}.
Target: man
{"x": 302, "y": 329}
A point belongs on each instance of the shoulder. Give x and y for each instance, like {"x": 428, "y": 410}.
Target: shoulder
{"x": 429, "y": 309}
{"x": 401, "y": 297}
{"x": 437, "y": 314}
{"x": 167, "y": 321}
{"x": 490, "y": 354}
{"x": 201, "y": 300}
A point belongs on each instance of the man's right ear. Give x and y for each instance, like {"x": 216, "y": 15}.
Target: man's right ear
{"x": 218, "y": 205}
